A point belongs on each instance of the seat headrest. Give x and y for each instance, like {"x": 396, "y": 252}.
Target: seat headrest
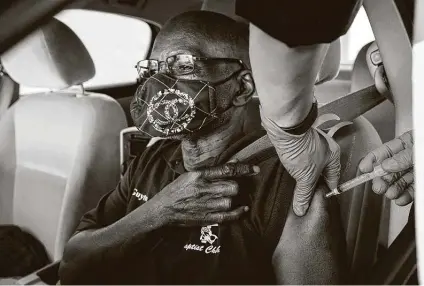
{"x": 331, "y": 65}
{"x": 51, "y": 57}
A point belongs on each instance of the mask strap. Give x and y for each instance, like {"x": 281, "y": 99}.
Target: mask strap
{"x": 222, "y": 81}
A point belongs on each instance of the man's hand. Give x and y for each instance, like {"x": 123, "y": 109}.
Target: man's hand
{"x": 395, "y": 157}
{"x": 306, "y": 157}
{"x": 203, "y": 197}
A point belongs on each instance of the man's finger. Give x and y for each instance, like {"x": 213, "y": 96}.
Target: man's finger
{"x": 331, "y": 173}
{"x": 220, "y": 217}
{"x": 411, "y": 190}
{"x": 407, "y": 139}
{"x": 216, "y": 205}
{"x": 381, "y": 153}
{"x": 393, "y": 177}
{"x": 400, "y": 161}
{"x": 226, "y": 188}
{"x": 379, "y": 186}
{"x": 229, "y": 170}
{"x": 406, "y": 198}
{"x": 400, "y": 186}
{"x": 302, "y": 197}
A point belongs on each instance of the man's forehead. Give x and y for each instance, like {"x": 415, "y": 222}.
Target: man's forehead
{"x": 200, "y": 47}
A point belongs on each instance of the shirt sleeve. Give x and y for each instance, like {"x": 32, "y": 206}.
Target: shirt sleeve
{"x": 112, "y": 206}
{"x": 300, "y": 22}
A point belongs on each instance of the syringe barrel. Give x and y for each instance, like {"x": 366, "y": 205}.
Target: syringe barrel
{"x": 378, "y": 171}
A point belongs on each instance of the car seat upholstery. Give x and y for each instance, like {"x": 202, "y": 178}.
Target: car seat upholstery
{"x": 59, "y": 151}
{"x": 360, "y": 208}
{"x": 364, "y": 213}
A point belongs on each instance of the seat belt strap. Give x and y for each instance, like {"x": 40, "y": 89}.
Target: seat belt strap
{"x": 354, "y": 104}
{"x": 346, "y": 108}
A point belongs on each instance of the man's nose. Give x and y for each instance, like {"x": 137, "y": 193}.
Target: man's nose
{"x": 163, "y": 67}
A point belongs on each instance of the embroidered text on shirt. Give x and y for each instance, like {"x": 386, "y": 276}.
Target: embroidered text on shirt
{"x": 140, "y": 196}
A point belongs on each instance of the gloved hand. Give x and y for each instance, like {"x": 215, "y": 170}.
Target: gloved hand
{"x": 395, "y": 157}
{"x": 306, "y": 157}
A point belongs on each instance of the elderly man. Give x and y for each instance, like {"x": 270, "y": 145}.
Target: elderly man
{"x": 182, "y": 214}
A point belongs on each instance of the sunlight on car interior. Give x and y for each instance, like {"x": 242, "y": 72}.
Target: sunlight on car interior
{"x": 113, "y": 52}
{"x": 359, "y": 34}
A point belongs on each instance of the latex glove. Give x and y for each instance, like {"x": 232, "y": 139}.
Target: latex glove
{"x": 306, "y": 157}
{"x": 395, "y": 157}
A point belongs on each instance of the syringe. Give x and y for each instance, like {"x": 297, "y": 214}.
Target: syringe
{"x": 378, "y": 172}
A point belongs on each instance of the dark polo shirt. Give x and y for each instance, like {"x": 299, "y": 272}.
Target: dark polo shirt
{"x": 239, "y": 252}
{"x": 300, "y": 22}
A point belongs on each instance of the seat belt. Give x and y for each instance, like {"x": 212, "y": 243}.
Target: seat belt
{"x": 392, "y": 37}
{"x": 396, "y": 52}
{"x": 344, "y": 109}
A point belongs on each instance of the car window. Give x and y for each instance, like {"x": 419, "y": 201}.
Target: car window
{"x": 419, "y": 24}
{"x": 359, "y": 34}
{"x": 115, "y": 43}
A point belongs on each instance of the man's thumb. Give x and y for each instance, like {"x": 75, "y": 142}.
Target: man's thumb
{"x": 302, "y": 197}
{"x": 331, "y": 173}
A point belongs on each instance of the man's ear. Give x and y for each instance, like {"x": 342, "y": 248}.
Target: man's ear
{"x": 247, "y": 88}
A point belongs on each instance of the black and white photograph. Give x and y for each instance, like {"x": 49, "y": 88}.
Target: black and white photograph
{"x": 211, "y": 142}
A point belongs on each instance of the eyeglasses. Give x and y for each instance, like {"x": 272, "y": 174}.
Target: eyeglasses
{"x": 179, "y": 65}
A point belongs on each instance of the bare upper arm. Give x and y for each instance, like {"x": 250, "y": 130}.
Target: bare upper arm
{"x": 284, "y": 76}
{"x": 312, "y": 249}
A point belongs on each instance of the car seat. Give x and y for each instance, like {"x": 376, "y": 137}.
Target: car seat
{"x": 59, "y": 151}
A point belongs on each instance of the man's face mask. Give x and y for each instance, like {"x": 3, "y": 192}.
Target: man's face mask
{"x": 164, "y": 106}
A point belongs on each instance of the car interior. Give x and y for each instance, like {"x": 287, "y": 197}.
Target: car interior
{"x": 65, "y": 92}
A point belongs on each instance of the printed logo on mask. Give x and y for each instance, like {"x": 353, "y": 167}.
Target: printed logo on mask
{"x": 164, "y": 106}
{"x": 171, "y": 116}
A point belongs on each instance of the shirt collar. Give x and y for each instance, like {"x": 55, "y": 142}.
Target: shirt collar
{"x": 174, "y": 159}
